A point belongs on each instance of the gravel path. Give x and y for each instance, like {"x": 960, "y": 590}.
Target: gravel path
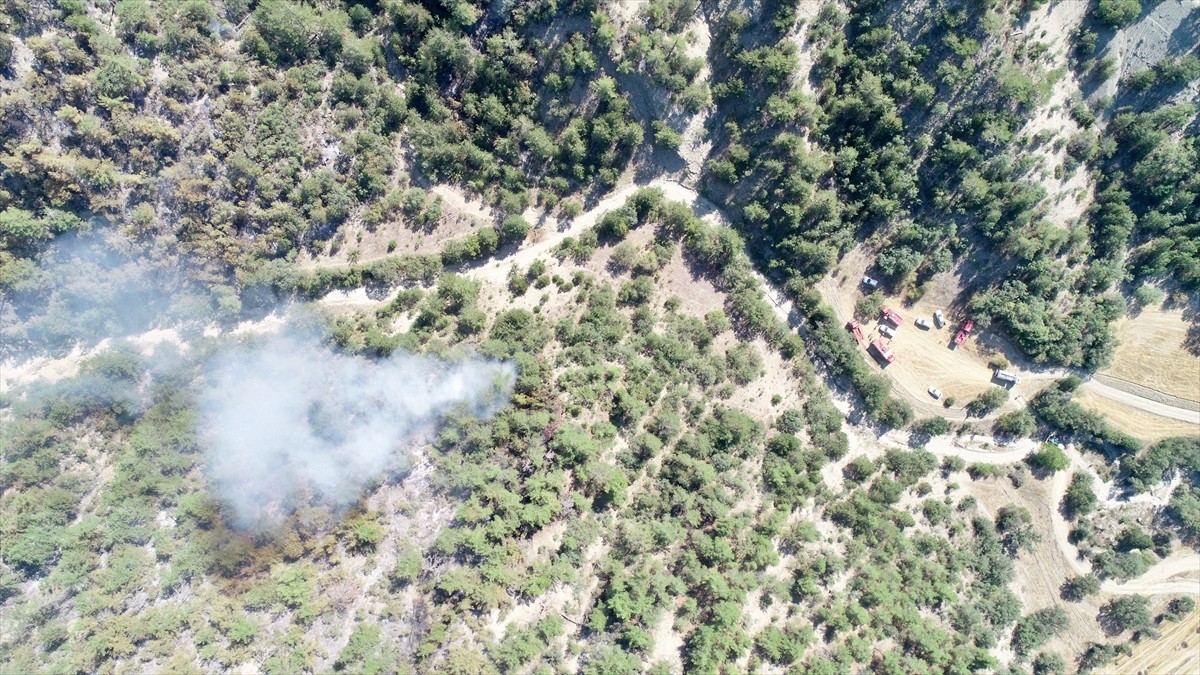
{"x": 1148, "y": 393}
{"x": 1134, "y": 400}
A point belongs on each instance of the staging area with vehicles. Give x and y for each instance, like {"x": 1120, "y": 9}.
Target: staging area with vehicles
{"x": 1146, "y": 390}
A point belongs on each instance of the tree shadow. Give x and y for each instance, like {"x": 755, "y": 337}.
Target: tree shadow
{"x": 1191, "y": 340}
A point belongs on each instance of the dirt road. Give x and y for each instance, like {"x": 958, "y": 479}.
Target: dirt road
{"x": 496, "y": 270}
{"x": 552, "y": 231}
{"x": 1178, "y": 574}
{"x": 1141, "y": 403}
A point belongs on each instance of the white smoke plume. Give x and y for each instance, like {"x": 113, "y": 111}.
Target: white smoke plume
{"x": 286, "y": 421}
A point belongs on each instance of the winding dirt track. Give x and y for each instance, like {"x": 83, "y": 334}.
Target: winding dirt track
{"x": 1158, "y": 580}
{"x": 553, "y": 231}
{"x": 496, "y": 271}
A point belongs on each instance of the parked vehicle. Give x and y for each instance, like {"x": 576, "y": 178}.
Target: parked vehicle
{"x": 869, "y": 282}
{"x": 887, "y": 331}
{"x": 1007, "y": 378}
{"x": 935, "y": 393}
{"x": 939, "y": 318}
{"x": 856, "y": 328}
{"x": 923, "y": 323}
{"x": 892, "y": 317}
{"x": 964, "y": 332}
{"x": 884, "y": 354}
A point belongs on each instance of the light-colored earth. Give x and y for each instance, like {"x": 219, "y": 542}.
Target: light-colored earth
{"x": 1178, "y": 574}
{"x": 1067, "y": 194}
{"x": 1039, "y": 587}
{"x": 1042, "y": 570}
{"x": 925, "y": 358}
{"x": 1175, "y": 652}
{"x": 1167, "y": 29}
{"x": 1151, "y": 353}
{"x": 1138, "y": 423}
{"x": 961, "y": 372}
{"x": 1123, "y": 398}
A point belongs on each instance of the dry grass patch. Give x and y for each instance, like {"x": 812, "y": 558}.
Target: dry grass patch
{"x": 1176, "y": 651}
{"x": 1141, "y": 424}
{"x": 1151, "y": 353}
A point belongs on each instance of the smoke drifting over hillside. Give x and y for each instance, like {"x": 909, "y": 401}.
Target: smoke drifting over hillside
{"x": 286, "y": 421}
{"x": 91, "y": 286}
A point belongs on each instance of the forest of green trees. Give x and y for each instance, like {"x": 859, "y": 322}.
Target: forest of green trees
{"x": 636, "y": 505}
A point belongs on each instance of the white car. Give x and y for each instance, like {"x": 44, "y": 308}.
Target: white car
{"x": 869, "y": 282}
{"x": 887, "y": 331}
{"x": 939, "y": 318}
{"x": 923, "y": 323}
{"x": 935, "y": 393}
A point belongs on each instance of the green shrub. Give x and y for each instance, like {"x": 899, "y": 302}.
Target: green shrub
{"x": 989, "y": 400}
{"x": 1035, "y": 630}
{"x": 1080, "y": 499}
{"x": 1129, "y": 612}
{"x": 1078, "y": 588}
{"x": 1016, "y": 424}
{"x": 932, "y": 426}
{"x": 513, "y": 229}
{"x": 408, "y": 566}
{"x": 1117, "y": 13}
{"x": 1049, "y": 457}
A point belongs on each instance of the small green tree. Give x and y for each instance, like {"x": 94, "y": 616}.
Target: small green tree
{"x": 1049, "y": 457}
{"x": 1078, "y": 588}
{"x": 363, "y": 534}
{"x": 1182, "y": 605}
{"x": 363, "y": 641}
{"x": 514, "y": 229}
{"x": 1016, "y": 424}
{"x": 242, "y": 631}
{"x": 1049, "y": 663}
{"x": 1134, "y": 538}
{"x": 1129, "y": 612}
{"x": 665, "y": 136}
{"x": 1035, "y": 630}
{"x": 20, "y": 226}
{"x": 1146, "y": 295}
{"x": 408, "y": 566}
{"x": 953, "y": 463}
{"x": 1117, "y": 13}
{"x": 869, "y": 307}
{"x": 118, "y": 77}
{"x": 1080, "y": 499}
{"x": 989, "y": 400}
{"x": 932, "y": 426}
{"x": 1016, "y": 527}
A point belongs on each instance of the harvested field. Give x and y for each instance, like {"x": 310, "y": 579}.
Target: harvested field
{"x": 1151, "y": 354}
{"x": 1139, "y": 423}
{"x": 1176, "y": 651}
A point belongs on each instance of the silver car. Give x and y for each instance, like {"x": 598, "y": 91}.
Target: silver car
{"x": 935, "y": 393}
{"x": 939, "y": 318}
{"x": 923, "y": 323}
